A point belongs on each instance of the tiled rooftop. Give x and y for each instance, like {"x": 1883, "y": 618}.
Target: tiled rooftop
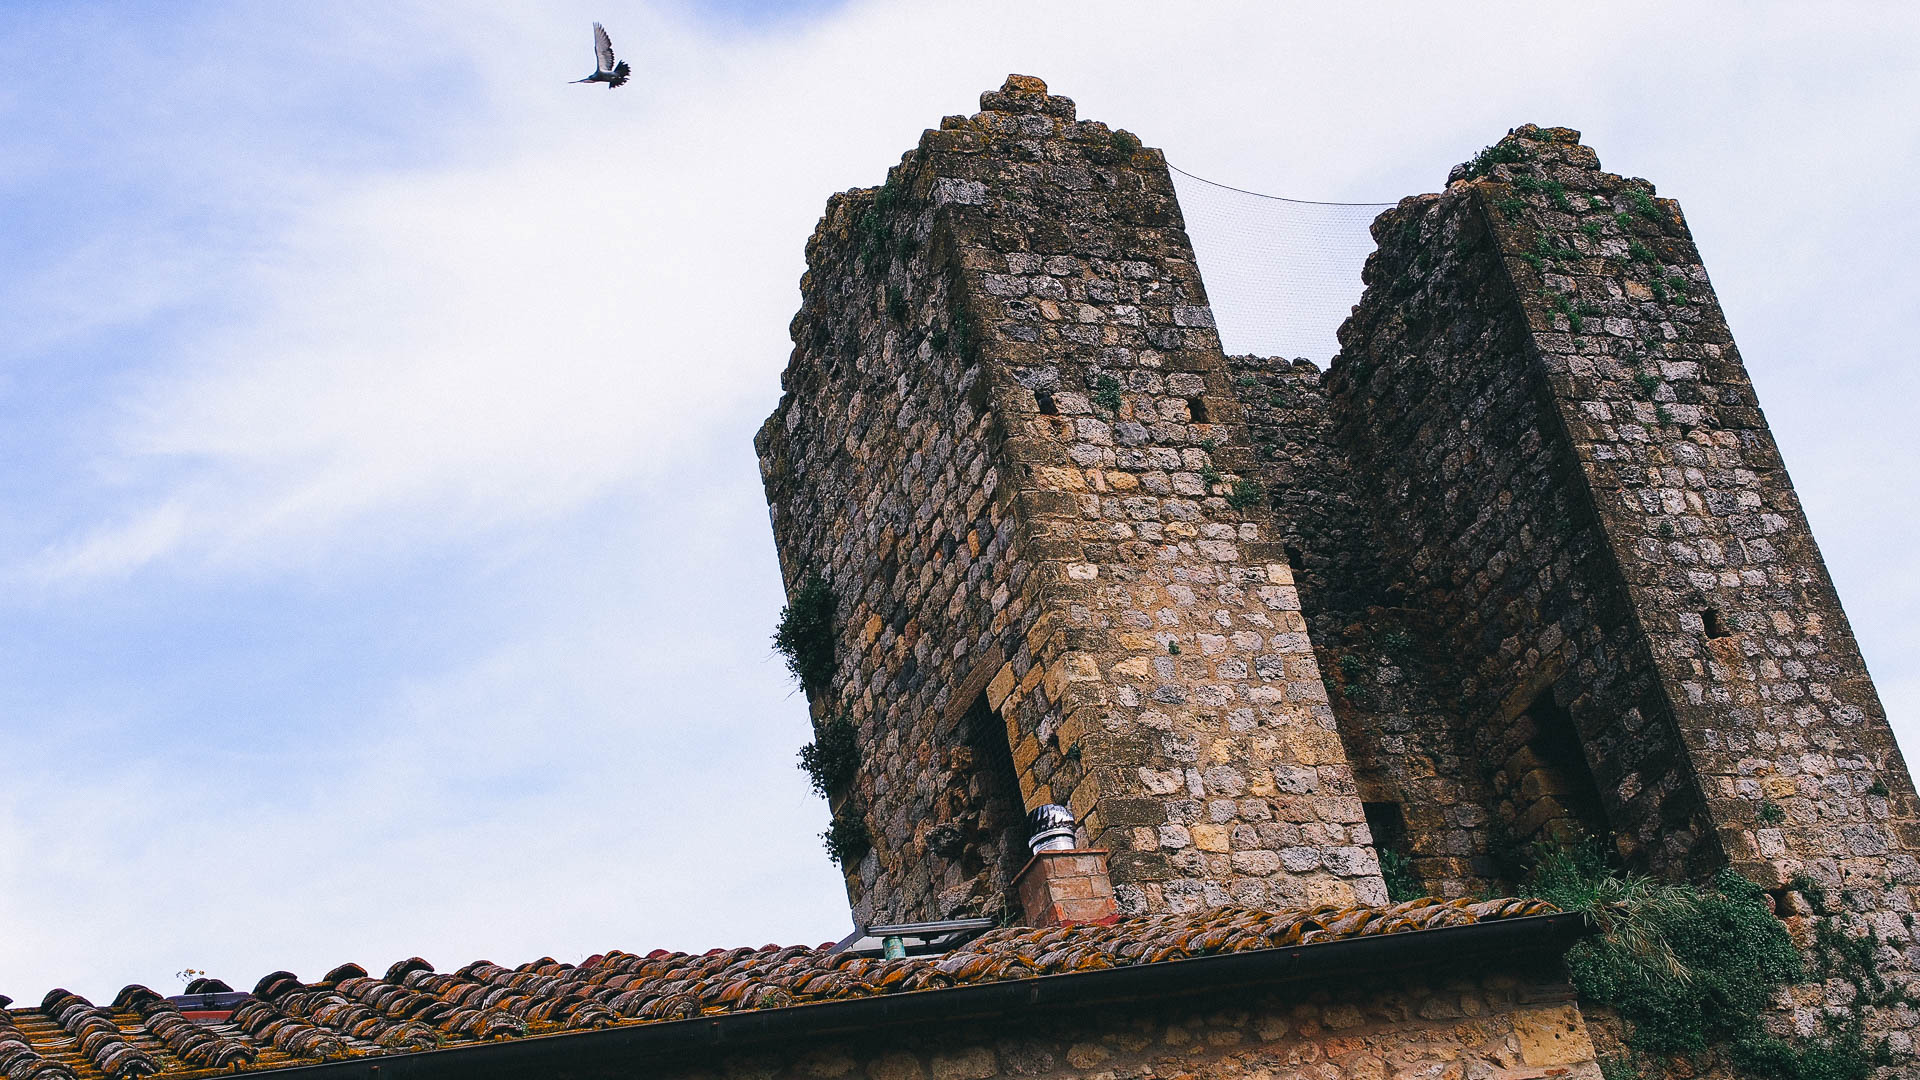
{"x": 350, "y": 1013}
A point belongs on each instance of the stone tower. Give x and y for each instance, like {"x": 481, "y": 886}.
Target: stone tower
{"x": 1553, "y": 562}
{"x": 1009, "y": 445}
{"x": 1522, "y": 564}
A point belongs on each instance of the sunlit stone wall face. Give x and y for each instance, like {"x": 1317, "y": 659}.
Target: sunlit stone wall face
{"x": 1010, "y": 443}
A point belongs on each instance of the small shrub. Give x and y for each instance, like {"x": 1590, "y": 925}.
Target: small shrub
{"x": 896, "y": 303}
{"x": 1173, "y": 648}
{"x": 1661, "y": 415}
{"x": 1106, "y": 393}
{"x": 805, "y": 634}
{"x": 1555, "y": 191}
{"x": 1511, "y": 207}
{"x": 1647, "y": 381}
{"x": 1692, "y": 969}
{"x": 1351, "y": 666}
{"x": 1209, "y": 476}
{"x": 1567, "y": 311}
{"x": 1500, "y": 153}
{"x": 833, "y": 757}
{"x": 847, "y": 839}
{"x": 1125, "y": 141}
{"x": 1591, "y": 229}
{"x": 965, "y": 345}
{"x": 1246, "y": 494}
{"x": 1685, "y": 966}
{"x": 1620, "y": 1068}
{"x": 1396, "y": 642}
{"x": 1639, "y": 251}
{"x": 1546, "y": 251}
{"x": 1397, "y": 871}
{"x": 1842, "y": 1055}
{"x": 1643, "y": 204}
{"x": 1771, "y": 814}
{"x": 1878, "y": 787}
{"x": 875, "y": 226}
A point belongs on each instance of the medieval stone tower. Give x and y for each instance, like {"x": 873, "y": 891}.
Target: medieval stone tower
{"x": 1522, "y": 563}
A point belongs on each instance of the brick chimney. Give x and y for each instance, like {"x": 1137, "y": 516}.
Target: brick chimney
{"x": 1063, "y": 883}
{"x": 1061, "y": 887}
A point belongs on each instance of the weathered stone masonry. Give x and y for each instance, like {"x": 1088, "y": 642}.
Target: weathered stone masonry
{"x": 1390, "y": 680}
{"x": 1538, "y": 463}
{"x": 1529, "y": 526}
{"x": 1010, "y": 443}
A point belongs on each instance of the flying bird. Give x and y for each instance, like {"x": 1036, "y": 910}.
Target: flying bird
{"x": 605, "y": 69}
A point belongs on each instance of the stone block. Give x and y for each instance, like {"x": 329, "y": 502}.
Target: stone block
{"x": 1552, "y": 1036}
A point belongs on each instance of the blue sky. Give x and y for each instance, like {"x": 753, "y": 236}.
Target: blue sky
{"x": 383, "y": 565}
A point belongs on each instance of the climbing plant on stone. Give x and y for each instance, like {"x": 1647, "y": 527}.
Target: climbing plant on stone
{"x": 805, "y": 633}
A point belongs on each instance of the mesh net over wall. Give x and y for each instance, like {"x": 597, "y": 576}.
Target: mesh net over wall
{"x": 1282, "y": 274}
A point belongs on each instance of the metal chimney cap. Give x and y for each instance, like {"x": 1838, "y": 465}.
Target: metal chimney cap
{"x": 1050, "y": 828}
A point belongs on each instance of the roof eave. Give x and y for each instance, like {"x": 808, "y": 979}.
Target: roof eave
{"x": 613, "y": 1049}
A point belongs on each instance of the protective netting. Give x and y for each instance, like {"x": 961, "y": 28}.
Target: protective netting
{"x": 1282, "y": 274}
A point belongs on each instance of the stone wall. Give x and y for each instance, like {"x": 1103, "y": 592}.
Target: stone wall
{"x": 1483, "y": 509}
{"x": 1392, "y": 681}
{"x": 1781, "y": 723}
{"x": 883, "y": 469}
{"x": 1569, "y": 482}
{"x": 1010, "y": 442}
{"x": 1483, "y": 1026}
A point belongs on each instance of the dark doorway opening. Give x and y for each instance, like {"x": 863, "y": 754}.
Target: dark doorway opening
{"x": 994, "y": 787}
{"x": 1561, "y": 773}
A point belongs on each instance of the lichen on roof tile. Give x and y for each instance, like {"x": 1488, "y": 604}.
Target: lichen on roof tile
{"x": 411, "y": 1007}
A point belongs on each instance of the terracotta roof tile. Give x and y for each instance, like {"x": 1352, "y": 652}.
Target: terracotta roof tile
{"x": 411, "y": 1007}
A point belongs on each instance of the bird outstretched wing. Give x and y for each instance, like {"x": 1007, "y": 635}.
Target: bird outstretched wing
{"x": 602, "y": 48}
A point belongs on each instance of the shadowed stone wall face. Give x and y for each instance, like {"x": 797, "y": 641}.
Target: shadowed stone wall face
{"x": 1480, "y": 504}
{"x": 1600, "y": 501}
{"x": 1392, "y": 687}
{"x": 1574, "y": 510}
{"x": 1021, "y": 481}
